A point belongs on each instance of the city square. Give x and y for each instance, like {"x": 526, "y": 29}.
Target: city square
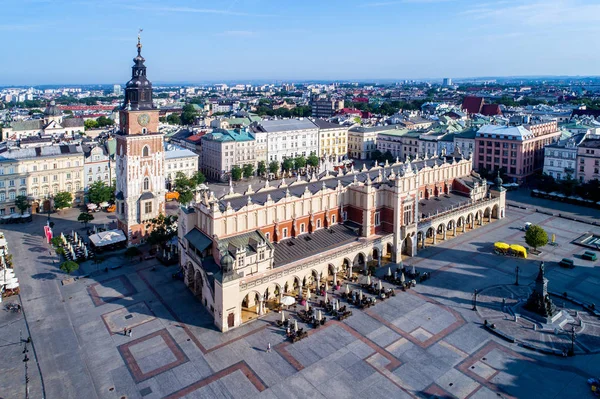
{"x": 424, "y": 342}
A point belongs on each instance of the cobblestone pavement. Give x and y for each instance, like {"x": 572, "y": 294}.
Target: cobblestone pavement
{"x": 425, "y": 342}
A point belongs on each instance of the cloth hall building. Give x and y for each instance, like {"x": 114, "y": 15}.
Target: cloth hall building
{"x": 241, "y": 253}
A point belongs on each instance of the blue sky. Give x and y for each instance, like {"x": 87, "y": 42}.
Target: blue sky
{"x": 93, "y": 41}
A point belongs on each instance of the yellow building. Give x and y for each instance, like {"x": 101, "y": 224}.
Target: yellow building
{"x": 333, "y": 138}
{"x": 39, "y": 173}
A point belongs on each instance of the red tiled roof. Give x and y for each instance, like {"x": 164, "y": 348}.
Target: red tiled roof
{"x": 360, "y": 100}
{"x": 472, "y": 105}
{"x": 491, "y": 110}
{"x": 349, "y": 111}
{"x": 87, "y": 107}
{"x": 196, "y": 137}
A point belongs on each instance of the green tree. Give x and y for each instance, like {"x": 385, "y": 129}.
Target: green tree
{"x": 300, "y": 162}
{"x": 173, "y": 119}
{"x": 248, "y": 170}
{"x": 288, "y": 164}
{"x": 56, "y": 242}
{"x": 90, "y": 124}
{"x": 21, "y": 203}
{"x": 377, "y": 156}
{"x": 103, "y": 121}
{"x": 63, "y": 200}
{"x": 85, "y": 218}
{"x": 274, "y": 167}
{"x": 184, "y": 187}
{"x": 162, "y": 229}
{"x": 536, "y": 237}
{"x": 236, "y": 173}
{"x": 99, "y": 192}
{"x": 69, "y": 266}
{"x": 188, "y": 115}
{"x": 198, "y": 178}
{"x": 262, "y": 168}
{"x": 312, "y": 160}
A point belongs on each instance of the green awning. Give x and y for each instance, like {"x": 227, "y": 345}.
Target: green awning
{"x": 198, "y": 240}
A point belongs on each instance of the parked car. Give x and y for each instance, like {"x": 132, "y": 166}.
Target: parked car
{"x": 589, "y": 255}
{"x": 566, "y": 262}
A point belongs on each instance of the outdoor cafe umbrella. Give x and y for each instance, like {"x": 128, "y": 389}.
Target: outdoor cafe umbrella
{"x": 360, "y": 295}
{"x": 85, "y": 251}
{"x": 347, "y": 288}
{"x": 72, "y": 233}
{"x": 401, "y": 265}
{"x": 12, "y": 286}
{"x": 395, "y": 275}
{"x": 413, "y": 270}
{"x": 402, "y": 278}
{"x": 379, "y": 286}
{"x": 389, "y": 273}
{"x": 75, "y": 237}
{"x": 8, "y": 280}
{"x": 306, "y": 306}
{"x": 326, "y": 286}
{"x": 369, "y": 280}
{"x": 325, "y": 297}
{"x": 319, "y": 315}
{"x": 295, "y": 325}
{"x": 288, "y": 301}
{"x": 282, "y": 316}
{"x": 308, "y": 294}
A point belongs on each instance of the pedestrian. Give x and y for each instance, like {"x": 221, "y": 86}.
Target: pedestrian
{"x": 269, "y": 347}
{"x": 124, "y": 331}
{"x": 129, "y": 332}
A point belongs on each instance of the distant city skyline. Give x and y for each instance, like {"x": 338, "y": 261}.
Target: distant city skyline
{"x": 87, "y": 42}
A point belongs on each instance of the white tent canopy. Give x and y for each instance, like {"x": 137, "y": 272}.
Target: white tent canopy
{"x": 107, "y": 238}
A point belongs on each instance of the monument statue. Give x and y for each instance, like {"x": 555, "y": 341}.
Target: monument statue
{"x": 539, "y": 301}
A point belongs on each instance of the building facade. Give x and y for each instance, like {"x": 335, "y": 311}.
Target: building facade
{"x": 518, "y": 150}
{"x": 53, "y": 123}
{"x": 98, "y": 165}
{"x": 288, "y": 138}
{"x": 241, "y": 253}
{"x": 325, "y": 107}
{"x": 560, "y": 158}
{"x": 588, "y": 160}
{"x": 40, "y": 173}
{"x": 333, "y": 139}
{"x": 140, "y": 157}
{"x": 224, "y": 149}
{"x": 362, "y": 141}
{"x": 180, "y": 160}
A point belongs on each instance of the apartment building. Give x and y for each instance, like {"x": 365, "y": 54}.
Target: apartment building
{"x": 180, "y": 160}
{"x": 362, "y": 141}
{"x": 560, "y": 158}
{"x": 222, "y": 149}
{"x": 98, "y": 165}
{"x": 39, "y": 173}
{"x": 333, "y": 138}
{"x": 325, "y": 107}
{"x": 288, "y": 138}
{"x": 518, "y": 150}
{"x": 588, "y": 160}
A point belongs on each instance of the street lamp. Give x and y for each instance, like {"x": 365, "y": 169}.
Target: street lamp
{"x": 475, "y": 299}
{"x": 573, "y": 336}
{"x": 517, "y": 270}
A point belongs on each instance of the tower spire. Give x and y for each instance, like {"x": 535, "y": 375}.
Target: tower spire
{"x": 139, "y": 43}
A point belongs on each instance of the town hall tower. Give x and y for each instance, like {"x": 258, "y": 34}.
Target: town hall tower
{"x": 140, "y": 193}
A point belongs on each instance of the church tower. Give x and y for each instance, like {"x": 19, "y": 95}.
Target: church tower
{"x": 140, "y": 194}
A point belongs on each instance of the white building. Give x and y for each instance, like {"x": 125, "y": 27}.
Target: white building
{"x": 560, "y": 159}
{"x": 98, "y": 165}
{"x": 289, "y": 138}
{"x": 180, "y": 160}
{"x": 362, "y": 141}
{"x": 223, "y": 149}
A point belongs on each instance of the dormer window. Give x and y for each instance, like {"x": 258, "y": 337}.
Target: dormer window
{"x": 146, "y": 184}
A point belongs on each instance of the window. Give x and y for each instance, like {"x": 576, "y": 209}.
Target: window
{"x": 22, "y": 182}
{"x": 148, "y": 207}
{"x": 68, "y": 175}
{"x": 12, "y": 195}
{"x": 318, "y": 223}
{"x": 2, "y": 196}
{"x": 301, "y": 228}
{"x": 12, "y": 209}
{"x": 285, "y": 231}
{"x": 145, "y": 151}
{"x": 408, "y": 214}
{"x": 35, "y": 180}
{"x": 146, "y": 184}
{"x": 377, "y": 219}
{"x": 55, "y": 178}
{"x": 11, "y": 183}
{"x": 268, "y": 236}
{"x": 332, "y": 218}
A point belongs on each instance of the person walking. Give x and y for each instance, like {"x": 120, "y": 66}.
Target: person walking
{"x": 124, "y": 331}
{"x": 129, "y": 332}
{"x": 269, "y": 347}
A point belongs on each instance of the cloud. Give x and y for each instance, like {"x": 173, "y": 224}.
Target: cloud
{"x": 391, "y": 3}
{"x": 192, "y": 10}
